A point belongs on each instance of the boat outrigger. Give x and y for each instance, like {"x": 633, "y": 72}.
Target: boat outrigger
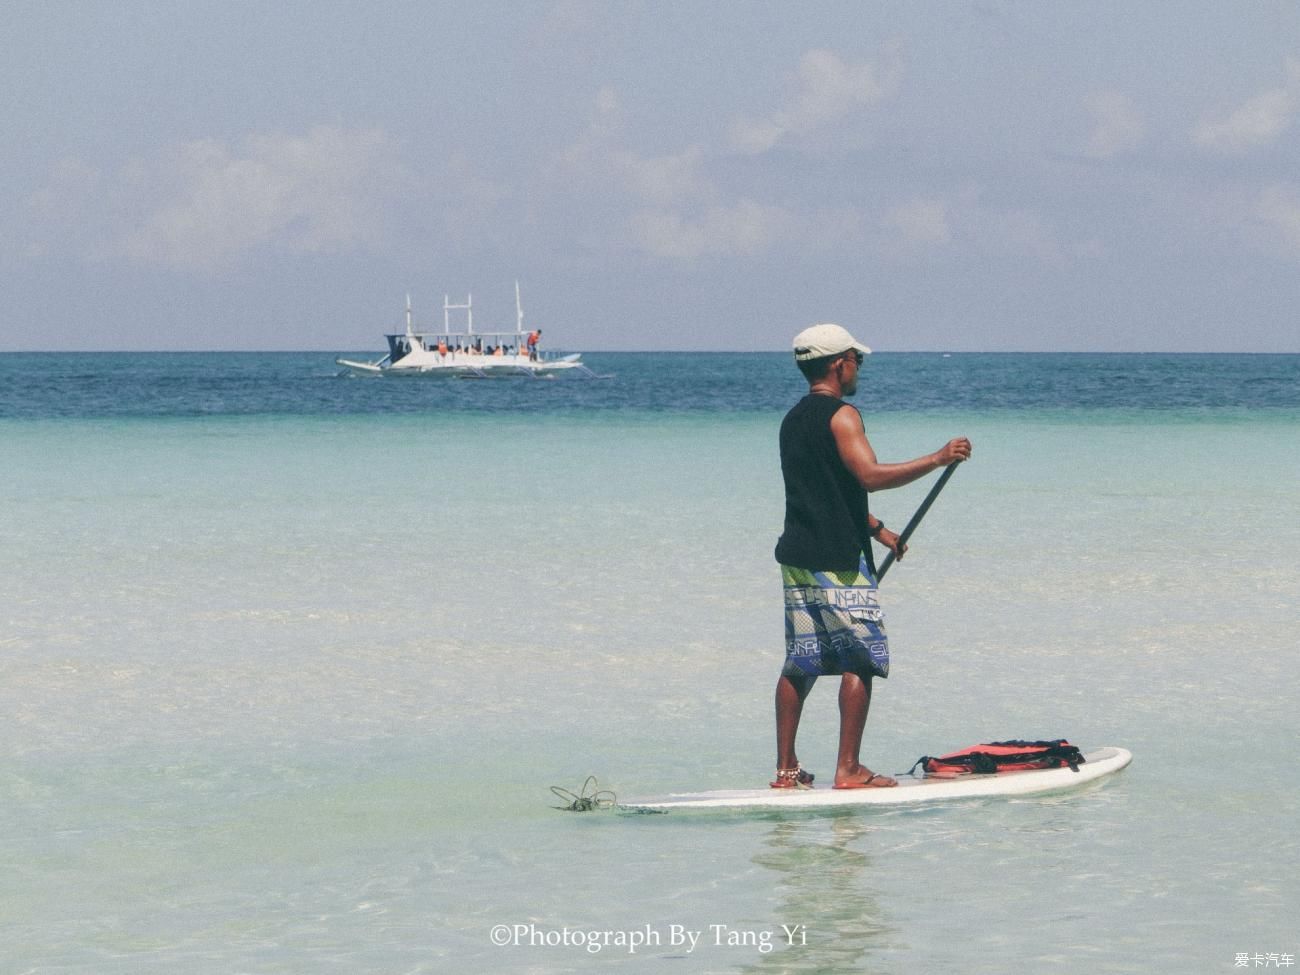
{"x": 466, "y": 354}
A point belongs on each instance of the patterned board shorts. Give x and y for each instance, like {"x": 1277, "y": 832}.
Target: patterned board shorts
{"x": 833, "y": 624}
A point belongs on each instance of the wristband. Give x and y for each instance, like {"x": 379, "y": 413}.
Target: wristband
{"x": 875, "y": 532}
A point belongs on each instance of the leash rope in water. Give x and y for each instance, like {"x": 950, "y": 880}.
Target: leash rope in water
{"x": 587, "y": 799}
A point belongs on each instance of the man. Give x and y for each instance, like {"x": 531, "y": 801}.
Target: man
{"x": 533, "y": 338}
{"x": 833, "y": 622}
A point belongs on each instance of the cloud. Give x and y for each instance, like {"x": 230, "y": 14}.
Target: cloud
{"x": 920, "y": 223}
{"x": 1118, "y": 126}
{"x": 318, "y": 193}
{"x": 591, "y": 149}
{"x": 963, "y": 223}
{"x": 204, "y": 205}
{"x": 665, "y": 205}
{"x": 665, "y": 179}
{"x": 1256, "y": 123}
{"x": 744, "y": 228}
{"x": 597, "y": 158}
{"x": 674, "y": 209}
{"x": 826, "y": 90}
{"x": 669, "y": 207}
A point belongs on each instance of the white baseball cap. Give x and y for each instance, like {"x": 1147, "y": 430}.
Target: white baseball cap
{"x": 819, "y": 341}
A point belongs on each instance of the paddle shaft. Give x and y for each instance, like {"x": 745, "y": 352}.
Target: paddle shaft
{"x": 916, "y": 518}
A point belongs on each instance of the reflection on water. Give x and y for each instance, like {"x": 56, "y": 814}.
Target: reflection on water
{"x": 827, "y": 915}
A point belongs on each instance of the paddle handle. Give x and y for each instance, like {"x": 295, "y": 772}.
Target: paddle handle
{"x": 916, "y": 518}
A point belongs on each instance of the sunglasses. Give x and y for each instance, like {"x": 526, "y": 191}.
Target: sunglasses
{"x": 858, "y": 357}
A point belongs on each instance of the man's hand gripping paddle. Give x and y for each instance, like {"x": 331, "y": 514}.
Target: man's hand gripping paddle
{"x": 916, "y": 518}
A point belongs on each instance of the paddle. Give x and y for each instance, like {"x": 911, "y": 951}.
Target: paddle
{"x": 916, "y": 518}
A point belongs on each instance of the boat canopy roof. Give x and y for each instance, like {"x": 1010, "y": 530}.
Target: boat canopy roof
{"x": 443, "y": 333}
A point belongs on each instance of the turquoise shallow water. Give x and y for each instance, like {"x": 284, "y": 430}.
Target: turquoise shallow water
{"x": 284, "y": 689}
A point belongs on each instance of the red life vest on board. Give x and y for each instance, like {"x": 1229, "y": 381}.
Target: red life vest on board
{"x": 1002, "y": 756}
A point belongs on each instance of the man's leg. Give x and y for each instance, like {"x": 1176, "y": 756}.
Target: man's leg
{"x": 855, "y": 702}
{"x": 790, "y": 694}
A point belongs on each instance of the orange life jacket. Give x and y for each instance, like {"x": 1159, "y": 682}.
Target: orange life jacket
{"x": 1002, "y": 756}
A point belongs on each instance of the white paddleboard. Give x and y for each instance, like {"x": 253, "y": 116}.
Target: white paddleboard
{"x": 1096, "y": 765}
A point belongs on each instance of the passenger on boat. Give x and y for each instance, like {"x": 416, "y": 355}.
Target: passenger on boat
{"x": 533, "y": 339}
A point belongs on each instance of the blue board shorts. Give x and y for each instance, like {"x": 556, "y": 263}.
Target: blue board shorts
{"x": 833, "y": 624}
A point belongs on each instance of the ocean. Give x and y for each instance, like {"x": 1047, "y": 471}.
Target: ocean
{"x": 289, "y": 663}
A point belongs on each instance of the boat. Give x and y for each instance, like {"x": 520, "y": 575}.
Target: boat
{"x": 466, "y": 354}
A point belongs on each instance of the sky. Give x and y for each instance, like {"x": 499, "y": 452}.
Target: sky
{"x": 982, "y": 176}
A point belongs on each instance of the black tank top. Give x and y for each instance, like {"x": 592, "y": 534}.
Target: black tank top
{"x": 825, "y": 506}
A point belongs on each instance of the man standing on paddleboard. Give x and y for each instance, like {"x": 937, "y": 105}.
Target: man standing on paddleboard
{"x": 833, "y": 622}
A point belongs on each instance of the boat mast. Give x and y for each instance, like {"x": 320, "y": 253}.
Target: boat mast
{"x": 409, "y": 333}
{"x": 447, "y": 307}
{"x": 519, "y": 311}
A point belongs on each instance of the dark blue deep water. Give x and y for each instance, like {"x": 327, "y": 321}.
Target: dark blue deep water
{"x": 45, "y": 385}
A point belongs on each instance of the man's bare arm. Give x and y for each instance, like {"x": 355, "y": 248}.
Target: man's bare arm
{"x": 856, "y": 452}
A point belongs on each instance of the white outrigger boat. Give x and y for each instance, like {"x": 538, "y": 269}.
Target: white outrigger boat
{"x": 465, "y": 354}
